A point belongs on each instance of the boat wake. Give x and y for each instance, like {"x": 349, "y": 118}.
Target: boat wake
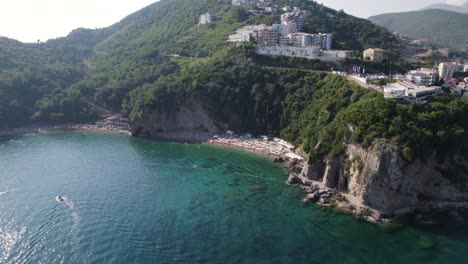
{"x": 7, "y": 191}
{"x": 71, "y": 205}
{"x": 76, "y": 220}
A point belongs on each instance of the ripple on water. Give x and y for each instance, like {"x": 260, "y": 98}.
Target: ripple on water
{"x": 8, "y": 240}
{"x": 134, "y": 201}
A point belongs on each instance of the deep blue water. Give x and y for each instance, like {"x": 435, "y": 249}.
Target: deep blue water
{"x": 129, "y": 200}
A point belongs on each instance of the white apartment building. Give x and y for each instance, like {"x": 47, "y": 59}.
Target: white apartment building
{"x": 444, "y": 52}
{"x": 283, "y": 29}
{"x": 423, "y": 76}
{"x": 446, "y": 70}
{"x": 244, "y": 34}
{"x": 240, "y": 2}
{"x": 324, "y": 41}
{"x": 206, "y": 18}
{"x": 295, "y": 19}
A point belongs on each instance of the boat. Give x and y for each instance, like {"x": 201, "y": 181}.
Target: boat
{"x": 59, "y": 199}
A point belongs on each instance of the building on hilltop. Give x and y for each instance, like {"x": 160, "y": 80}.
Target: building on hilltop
{"x": 244, "y": 34}
{"x": 206, "y": 18}
{"x": 423, "y": 76}
{"x": 446, "y": 70}
{"x": 283, "y": 29}
{"x": 266, "y": 37}
{"x": 410, "y": 91}
{"x": 309, "y": 52}
{"x": 324, "y": 41}
{"x": 374, "y": 55}
{"x": 286, "y": 40}
{"x": 240, "y": 2}
{"x": 295, "y": 19}
{"x": 445, "y": 52}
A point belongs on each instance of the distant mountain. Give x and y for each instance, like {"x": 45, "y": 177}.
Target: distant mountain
{"x": 441, "y": 27}
{"x": 447, "y": 7}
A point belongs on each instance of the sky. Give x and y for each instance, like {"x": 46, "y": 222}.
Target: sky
{"x": 33, "y": 20}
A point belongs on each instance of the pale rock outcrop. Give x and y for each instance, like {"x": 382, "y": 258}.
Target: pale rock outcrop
{"x": 190, "y": 116}
{"x": 380, "y": 179}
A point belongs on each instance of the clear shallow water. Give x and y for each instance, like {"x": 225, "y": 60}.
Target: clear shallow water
{"x": 140, "y": 201}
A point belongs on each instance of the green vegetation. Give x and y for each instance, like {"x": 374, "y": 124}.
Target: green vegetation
{"x": 383, "y": 82}
{"x": 441, "y": 27}
{"x": 50, "y": 82}
{"x": 349, "y": 32}
{"x": 159, "y": 59}
{"x": 319, "y": 111}
{"x": 34, "y": 82}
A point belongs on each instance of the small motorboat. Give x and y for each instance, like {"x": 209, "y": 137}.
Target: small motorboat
{"x": 59, "y": 199}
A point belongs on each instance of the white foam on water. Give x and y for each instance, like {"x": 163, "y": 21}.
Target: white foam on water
{"x": 74, "y": 228}
{"x": 71, "y": 205}
{"x": 7, "y": 191}
{"x": 8, "y": 240}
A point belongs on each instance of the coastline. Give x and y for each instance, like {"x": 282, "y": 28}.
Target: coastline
{"x": 275, "y": 148}
{"x": 283, "y": 152}
{"x": 58, "y": 128}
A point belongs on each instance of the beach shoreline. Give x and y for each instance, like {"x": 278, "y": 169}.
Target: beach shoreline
{"x": 62, "y": 128}
{"x": 274, "y": 148}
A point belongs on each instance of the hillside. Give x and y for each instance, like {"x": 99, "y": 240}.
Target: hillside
{"x": 105, "y": 65}
{"x": 445, "y": 28}
{"x": 454, "y": 8}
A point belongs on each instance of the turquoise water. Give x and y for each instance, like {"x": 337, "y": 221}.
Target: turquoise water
{"x": 130, "y": 200}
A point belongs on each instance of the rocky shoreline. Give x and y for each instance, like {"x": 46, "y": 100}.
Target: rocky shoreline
{"x": 327, "y": 197}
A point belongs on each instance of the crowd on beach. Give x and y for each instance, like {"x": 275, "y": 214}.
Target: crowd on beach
{"x": 274, "y": 147}
{"x": 261, "y": 145}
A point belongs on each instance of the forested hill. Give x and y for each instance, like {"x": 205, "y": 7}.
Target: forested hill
{"x": 442, "y": 27}
{"x": 45, "y": 82}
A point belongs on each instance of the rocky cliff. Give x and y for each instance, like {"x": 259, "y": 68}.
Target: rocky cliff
{"x": 187, "y": 117}
{"x": 380, "y": 181}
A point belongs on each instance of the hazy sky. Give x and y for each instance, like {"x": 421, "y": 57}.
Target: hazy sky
{"x": 31, "y": 20}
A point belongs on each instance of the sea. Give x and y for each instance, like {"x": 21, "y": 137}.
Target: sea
{"x": 132, "y": 200}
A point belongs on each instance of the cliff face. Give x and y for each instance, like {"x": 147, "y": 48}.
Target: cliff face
{"x": 381, "y": 179}
{"x": 190, "y": 116}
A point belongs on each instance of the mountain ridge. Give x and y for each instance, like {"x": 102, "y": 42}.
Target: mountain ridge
{"x": 441, "y": 27}
{"x": 454, "y": 8}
